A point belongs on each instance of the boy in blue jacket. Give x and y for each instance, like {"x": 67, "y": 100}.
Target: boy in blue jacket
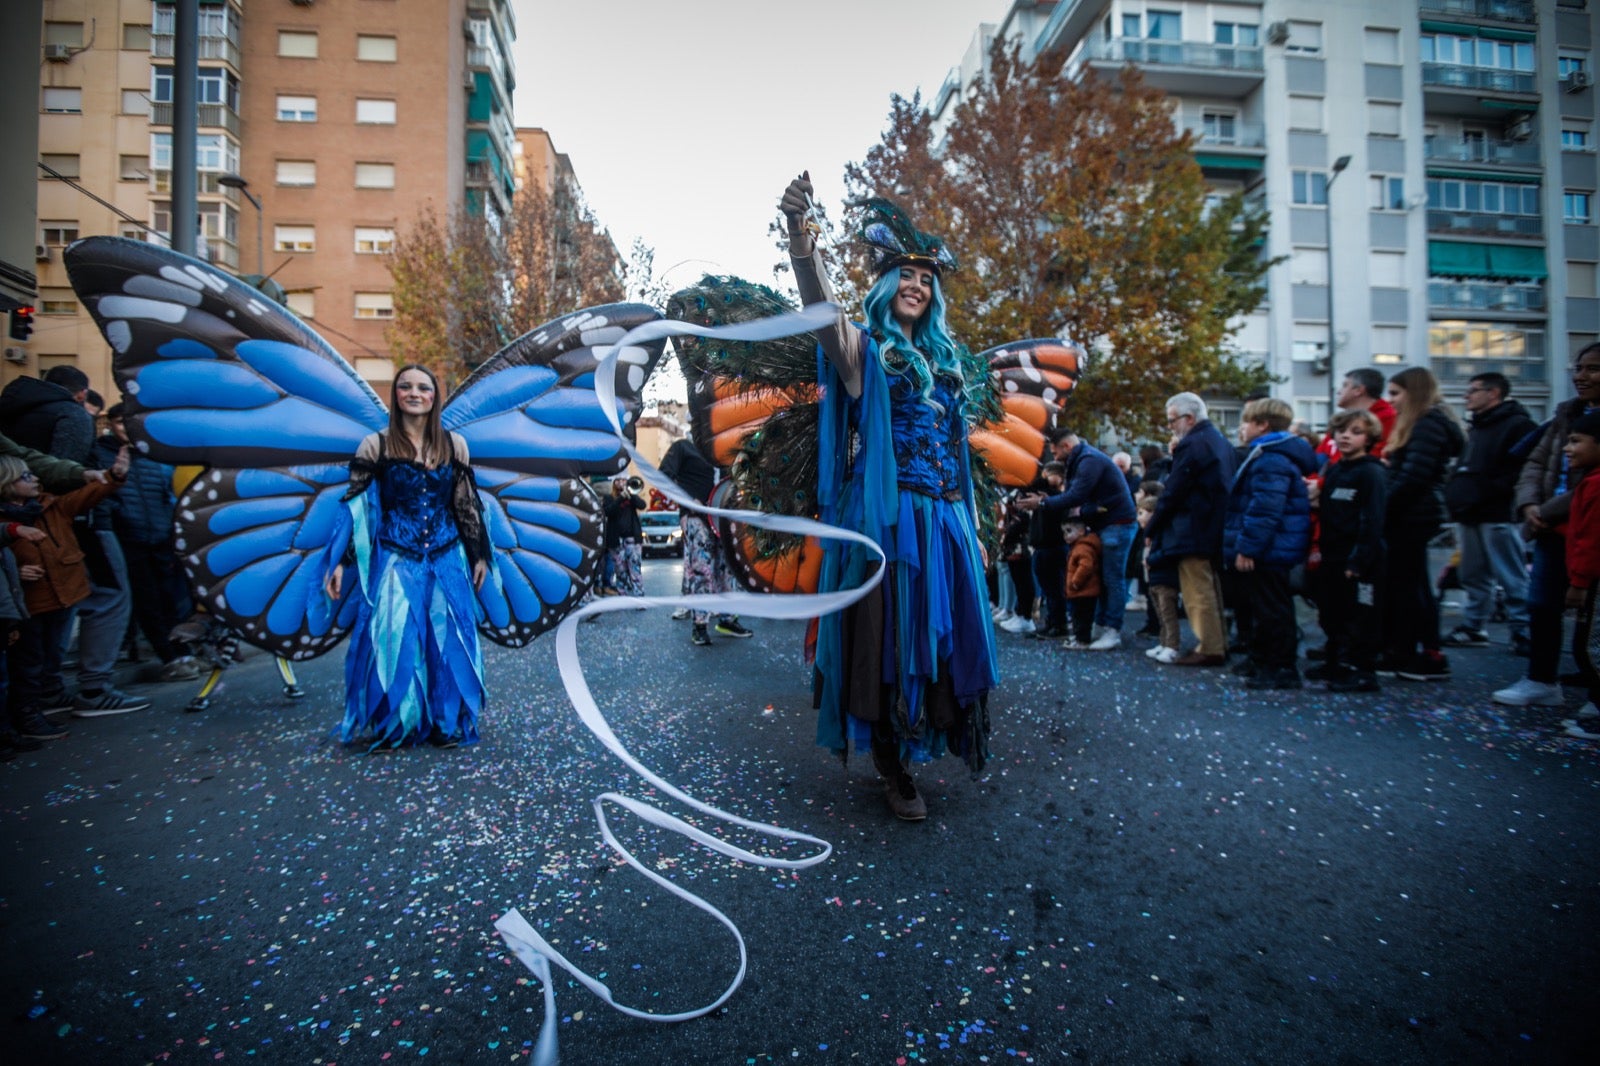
{"x": 1267, "y": 533}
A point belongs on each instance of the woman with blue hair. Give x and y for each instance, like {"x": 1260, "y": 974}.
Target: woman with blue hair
{"x": 907, "y": 670}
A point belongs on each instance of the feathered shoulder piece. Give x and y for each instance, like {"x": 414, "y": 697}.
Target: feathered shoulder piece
{"x": 887, "y": 231}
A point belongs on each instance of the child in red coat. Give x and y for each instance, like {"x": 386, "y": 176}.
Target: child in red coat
{"x": 1082, "y": 582}
{"x": 1583, "y": 564}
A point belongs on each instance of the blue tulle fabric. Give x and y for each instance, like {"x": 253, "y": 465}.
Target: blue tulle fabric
{"x": 414, "y": 671}
{"x": 898, "y": 470}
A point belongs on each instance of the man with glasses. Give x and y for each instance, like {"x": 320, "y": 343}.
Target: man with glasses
{"x": 1189, "y": 515}
{"x": 1479, "y": 497}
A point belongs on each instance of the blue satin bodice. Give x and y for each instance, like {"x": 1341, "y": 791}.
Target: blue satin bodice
{"x": 927, "y": 443}
{"x": 417, "y": 519}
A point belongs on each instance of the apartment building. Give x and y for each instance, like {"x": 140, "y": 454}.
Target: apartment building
{"x": 1429, "y": 166}
{"x": 324, "y": 128}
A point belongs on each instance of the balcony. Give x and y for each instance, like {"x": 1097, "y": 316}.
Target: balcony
{"x": 1499, "y": 10}
{"x": 211, "y": 48}
{"x": 1181, "y": 67}
{"x": 1447, "y": 295}
{"x": 213, "y": 116}
{"x": 1250, "y": 136}
{"x": 1512, "y": 153}
{"x": 1476, "y": 92}
{"x": 1464, "y": 222}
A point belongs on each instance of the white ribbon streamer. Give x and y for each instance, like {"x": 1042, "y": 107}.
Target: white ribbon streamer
{"x": 524, "y": 941}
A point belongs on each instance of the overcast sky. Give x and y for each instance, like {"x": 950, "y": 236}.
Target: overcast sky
{"x": 684, "y": 119}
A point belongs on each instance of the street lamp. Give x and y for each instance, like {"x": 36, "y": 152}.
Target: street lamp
{"x": 1339, "y": 166}
{"x": 234, "y": 181}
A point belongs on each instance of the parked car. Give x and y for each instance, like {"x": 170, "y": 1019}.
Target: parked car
{"x": 662, "y": 533}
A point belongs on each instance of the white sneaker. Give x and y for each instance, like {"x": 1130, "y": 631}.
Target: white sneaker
{"x": 1018, "y": 624}
{"x": 1000, "y": 614}
{"x": 1588, "y": 711}
{"x": 1530, "y": 693}
{"x": 1137, "y": 603}
{"x": 1154, "y": 652}
{"x": 1111, "y": 638}
{"x": 1576, "y": 730}
{"x": 1167, "y": 655}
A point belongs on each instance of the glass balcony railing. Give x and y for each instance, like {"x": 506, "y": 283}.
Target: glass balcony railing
{"x": 215, "y": 116}
{"x": 1482, "y": 151}
{"x": 1504, "y": 10}
{"x": 1141, "y": 50}
{"x": 213, "y": 48}
{"x": 1482, "y": 79}
{"x": 1495, "y": 225}
{"x": 1235, "y": 135}
{"x": 1445, "y": 294}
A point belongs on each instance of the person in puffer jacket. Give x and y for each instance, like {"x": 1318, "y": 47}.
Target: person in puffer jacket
{"x": 1423, "y": 447}
{"x": 1267, "y": 533}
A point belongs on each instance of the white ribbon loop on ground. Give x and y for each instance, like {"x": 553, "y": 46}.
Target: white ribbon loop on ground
{"x": 525, "y": 942}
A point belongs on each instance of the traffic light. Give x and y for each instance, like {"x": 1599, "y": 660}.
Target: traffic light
{"x": 21, "y": 323}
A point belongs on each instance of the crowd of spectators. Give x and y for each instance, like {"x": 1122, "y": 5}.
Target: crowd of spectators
{"x": 1236, "y": 532}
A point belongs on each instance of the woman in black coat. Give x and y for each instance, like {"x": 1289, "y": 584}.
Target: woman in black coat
{"x": 1420, "y": 453}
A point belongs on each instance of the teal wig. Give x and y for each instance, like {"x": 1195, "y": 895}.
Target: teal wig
{"x": 930, "y": 351}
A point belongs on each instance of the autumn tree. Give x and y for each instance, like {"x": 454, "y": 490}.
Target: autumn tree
{"x": 1077, "y": 210}
{"x": 465, "y": 287}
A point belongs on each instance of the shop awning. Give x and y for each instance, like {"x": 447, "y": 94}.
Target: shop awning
{"x": 1464, "y": 259}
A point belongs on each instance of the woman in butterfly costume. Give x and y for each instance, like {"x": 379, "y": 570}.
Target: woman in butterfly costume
{"x": 908, "y": 669}
{"x": 417, "y": 542}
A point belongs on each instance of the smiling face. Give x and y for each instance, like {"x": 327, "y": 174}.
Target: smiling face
{"x": 912, "y": 296}
{"x": 1582, "y": 451}
{"x": 1586, "y": 376}
{"x": 414, "y": 392}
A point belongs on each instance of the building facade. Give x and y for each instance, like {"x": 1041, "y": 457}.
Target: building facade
{"x": 1429, "y": 166}
{"x": 324, "y": 129}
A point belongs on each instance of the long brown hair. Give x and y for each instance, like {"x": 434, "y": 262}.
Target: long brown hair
{"x": 434, "y": 442}
{"x": 1420, "y": 394}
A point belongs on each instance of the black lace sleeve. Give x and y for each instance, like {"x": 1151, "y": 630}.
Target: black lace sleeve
{"x": 468, "y": 510}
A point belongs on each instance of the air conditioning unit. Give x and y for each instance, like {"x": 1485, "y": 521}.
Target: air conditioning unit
{"x": 1577, "y": 81}
{"x": 1520, "y": 130}
{"x": 58, "y": 53}
{"x": 41, "y": 252}
{"x": 1278, "y": 33}
{"x": 16, "y": 355}
{"x": 468, "y": 82}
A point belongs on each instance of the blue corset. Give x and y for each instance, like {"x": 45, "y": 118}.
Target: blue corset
{"x": 927, "y": 455}
{"x": 417, "y": 519}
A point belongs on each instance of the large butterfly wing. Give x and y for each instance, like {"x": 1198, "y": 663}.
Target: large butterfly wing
{"x": 217, "y": 376}
{"x": 1034, "y": 379}
{"x": 536, "y": 433}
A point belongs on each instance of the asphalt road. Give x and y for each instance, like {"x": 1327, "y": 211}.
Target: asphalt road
{"x": 1157, "y": 867}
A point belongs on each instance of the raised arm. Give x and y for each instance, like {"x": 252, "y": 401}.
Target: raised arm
{"x": 840, "y": 341}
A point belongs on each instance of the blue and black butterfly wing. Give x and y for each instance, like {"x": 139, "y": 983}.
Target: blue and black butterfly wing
{"x": 536, "y": 433}
{"x": 217, "y": 376}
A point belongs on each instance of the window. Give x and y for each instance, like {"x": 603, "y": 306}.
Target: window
{"x": 1569, "y": 63}
{"x": 1388, "y": 345}
{"x": 57, "y": 302}
{"x": 376, "y": 112}
{"x": 1164, "y": 25}
{"x": 297, "y": 109}
{"x": 1387, "y": 270}
{"x": 1388, "y": 192}
{"x": 57, "y": 101}
{"x": 133, "y": 232}
{"x": 58, "y": 232}
{"x": 67, "y": 33}
{"x": 1506, "y": 345}
{"x": 1308, "y": 266}
{"x": 294, "y": 238}
{"x": 1383, "y": 119}
{"x": 374, "y": 305}
{"x": 1132, "y": 26}
{"x": 296, "y": 172}
{"x": 1581, "y": 280}
{"x": 1310, "y": 342}
{"x": 133, "y": 168}
{"x": 1382, "y": 46}
{"x": 1304, "y": 37}
{"x": 1484, "y": 52}
{"x": 297, "y": 44}
{"x": 374, "y": 240}
{"x": 62, "y": 163}
{"x": 1312, "y": 410}
{"x": 303, "y": 304}
{"x": 1219, "y": 127}
{"x": 375, "y": 49}
{"x": 135, "y": 102}
{"x": 1241, "y": 33}
{"x": 135, "y": 37}
{"x": 374, "y": 175}
{"x": 1577, "y": 207}
{"x": 1574, "y": 138}
{"x": 214, "y": 86}
{"x": 1308, "y": 187}
{"x": 1487, "y": 197}
{"x": 1305, "y": 113}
